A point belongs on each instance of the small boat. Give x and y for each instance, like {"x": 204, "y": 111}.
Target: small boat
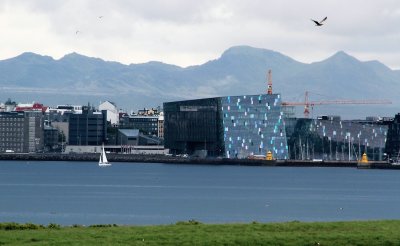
{"x": 396, "y": 162}
{"x": 103, "y": 162}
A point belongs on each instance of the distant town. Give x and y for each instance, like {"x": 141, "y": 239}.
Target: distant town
{"x": 236, "y": 127}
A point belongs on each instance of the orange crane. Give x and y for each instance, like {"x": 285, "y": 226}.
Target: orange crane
{"x": 269, "y": 88}
{"x": 307, "y": 104}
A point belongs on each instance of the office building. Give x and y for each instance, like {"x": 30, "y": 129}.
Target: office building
{"x": 88, "y": 128}
{"x": 21, "y": 132}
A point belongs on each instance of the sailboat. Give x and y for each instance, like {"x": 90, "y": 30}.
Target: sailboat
{"x": 103, "y": 162}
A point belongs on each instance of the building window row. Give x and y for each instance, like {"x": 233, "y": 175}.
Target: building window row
{"x": 11, "y": 134}
{"x": 11, "y": 119}
{"x": 11, "y": 124}
{"x": 11, "y": 139}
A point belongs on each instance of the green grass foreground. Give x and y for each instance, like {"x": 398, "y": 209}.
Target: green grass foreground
{"x": 195, "y": 233}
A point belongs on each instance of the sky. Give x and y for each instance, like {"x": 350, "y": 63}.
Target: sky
{"x": 192, "y": 32}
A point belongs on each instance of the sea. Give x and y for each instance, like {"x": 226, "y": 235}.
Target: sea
{"x": 69, "y": 193}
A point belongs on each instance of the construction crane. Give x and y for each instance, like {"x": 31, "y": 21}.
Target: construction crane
{"x": 307, "y": 104}
{"x": 269, "y": 88}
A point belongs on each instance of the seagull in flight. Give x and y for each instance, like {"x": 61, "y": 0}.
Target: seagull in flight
{"x": 319, "y": 23}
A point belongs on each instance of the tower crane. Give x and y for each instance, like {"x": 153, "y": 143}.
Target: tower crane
{"x": 307, "y": 103}
{"x": 269, "y": 88}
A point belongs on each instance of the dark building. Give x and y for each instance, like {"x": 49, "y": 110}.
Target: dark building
{"x": 128, "y": 137}
{"x": 133, "y": 137}
{"x": 392, "y": 146}
{"x": 233, "y": 126}
{"x": 51, "y": 139}
{"x": 147, "y": 125}
{"x": 88, "y": 128}
{"x": 21, "y": 132}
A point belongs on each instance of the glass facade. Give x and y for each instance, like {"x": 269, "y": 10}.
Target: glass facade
{"x": 335, "y": 139}
{"x": 253, "y": 125}
{"x": 393, "y": 138}
{"x": 193, "y": 125}
{"x": 232, "y": 127}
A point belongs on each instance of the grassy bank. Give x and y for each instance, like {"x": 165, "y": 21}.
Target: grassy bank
{"x": 194, "y": 233}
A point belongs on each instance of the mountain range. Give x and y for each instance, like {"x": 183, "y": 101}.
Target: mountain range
{"x": 241, "y": 70}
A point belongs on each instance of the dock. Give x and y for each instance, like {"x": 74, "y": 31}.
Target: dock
{"x": 145, "y": 158}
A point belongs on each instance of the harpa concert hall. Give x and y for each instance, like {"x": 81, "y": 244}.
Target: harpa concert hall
{"x": 231, "y": 127}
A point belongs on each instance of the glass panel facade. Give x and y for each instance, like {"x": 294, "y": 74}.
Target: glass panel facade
{"x": 253, "y": 125}
{"x": 335, "y": 139}
{"x": 233, "y": 126}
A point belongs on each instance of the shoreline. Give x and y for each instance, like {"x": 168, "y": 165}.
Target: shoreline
{"x": 93, "y": 157}
{"x": 192, "y": 232}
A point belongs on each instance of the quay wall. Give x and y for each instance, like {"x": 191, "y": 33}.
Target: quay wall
{"x": 149, "y": 158}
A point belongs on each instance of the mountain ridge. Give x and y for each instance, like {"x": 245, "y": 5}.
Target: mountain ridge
{"x": 239, "y": 70}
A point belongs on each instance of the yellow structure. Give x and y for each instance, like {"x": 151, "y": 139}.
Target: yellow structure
{"x": 269, "y": 156}
{"x": 364, "y": 159}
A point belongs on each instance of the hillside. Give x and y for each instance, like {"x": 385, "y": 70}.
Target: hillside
{"x": 240, "y": 70}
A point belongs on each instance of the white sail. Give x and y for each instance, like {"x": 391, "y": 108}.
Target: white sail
{"x": 103, "y": 158}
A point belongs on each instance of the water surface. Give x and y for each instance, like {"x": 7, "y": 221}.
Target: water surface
{"x": 147, "y": 193}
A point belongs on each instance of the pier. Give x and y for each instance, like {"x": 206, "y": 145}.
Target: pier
{"x": 112, "y": 157}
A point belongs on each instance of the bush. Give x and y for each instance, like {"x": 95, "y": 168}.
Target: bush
{"x": 189, "y": 222}
{"x": 31, "y": 226}
{"x": 104, "y": 225}
{"x": 53, "y": 226}
{"x": 16, "y": 226}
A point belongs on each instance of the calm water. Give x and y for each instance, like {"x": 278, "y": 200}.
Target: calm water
{"x": 135, "y": 193}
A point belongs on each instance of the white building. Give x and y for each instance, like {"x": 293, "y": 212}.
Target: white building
{"x": 62, "y": 109}
{"x": 112, "y": 112}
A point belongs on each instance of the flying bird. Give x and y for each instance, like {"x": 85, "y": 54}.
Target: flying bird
{"x": 76, "y": 32}
{"x": 319, "y": 23}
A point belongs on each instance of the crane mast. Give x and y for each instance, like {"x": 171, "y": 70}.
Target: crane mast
{"x": 307, "y": 103}
{"x": 269, "y": 89}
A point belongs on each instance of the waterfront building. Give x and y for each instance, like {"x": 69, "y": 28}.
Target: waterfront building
{"x": 146, "y": 124}
{"x": 161, "y": 125}
{"x": 232, "y": 126}
{"x": 21, "y": 132}
{"x": 133, "y": 137}
{"x": 87, "y": 128}
{"x": 128, "y": 137}
{"x": 393, "y": 138}
{"x": 112, "y": 112}
{"x": 51, "y": 139}
{"x": 330, "y": 138}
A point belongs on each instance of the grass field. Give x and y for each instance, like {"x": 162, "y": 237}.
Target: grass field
{"x": 194, "y": 233}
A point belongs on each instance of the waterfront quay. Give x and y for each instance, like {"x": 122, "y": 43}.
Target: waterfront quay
{"x": 169, "y": 159}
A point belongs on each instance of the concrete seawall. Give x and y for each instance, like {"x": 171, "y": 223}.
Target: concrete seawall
{"x": 182, "y": 160}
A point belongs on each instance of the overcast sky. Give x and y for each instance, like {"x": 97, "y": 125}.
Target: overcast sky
{"x": 191, "y": 32}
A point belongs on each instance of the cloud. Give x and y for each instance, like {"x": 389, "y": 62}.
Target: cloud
{"x": 188, "y": 32}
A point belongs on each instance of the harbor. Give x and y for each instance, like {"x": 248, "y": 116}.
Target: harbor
{"x": 143, "y": 193}
{"x": 170, "y": 159}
